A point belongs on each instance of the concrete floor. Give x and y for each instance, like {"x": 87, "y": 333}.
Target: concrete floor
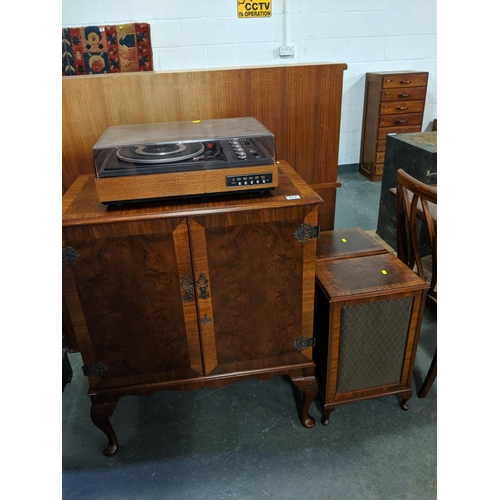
{"x": 245, "y": 441}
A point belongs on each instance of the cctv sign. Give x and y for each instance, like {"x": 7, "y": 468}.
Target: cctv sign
{"x": 250, "y": 10}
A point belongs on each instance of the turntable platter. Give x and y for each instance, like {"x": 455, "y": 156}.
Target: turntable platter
{"x": 160, "y": 153}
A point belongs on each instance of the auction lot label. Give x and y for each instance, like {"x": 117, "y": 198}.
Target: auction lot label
{"x": 251, "y": 10}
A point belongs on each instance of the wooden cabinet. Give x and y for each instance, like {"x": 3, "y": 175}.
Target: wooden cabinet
{"x": 367, "y": 319}
{"x": 394, "y": 104}
{"x": 418, "y": 153}
{"x": 185, "y": 295}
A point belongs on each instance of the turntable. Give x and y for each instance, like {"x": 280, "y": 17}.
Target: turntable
{"x": 184, "y": 159}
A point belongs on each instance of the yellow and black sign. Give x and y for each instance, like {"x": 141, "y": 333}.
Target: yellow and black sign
{"x": 251, "y": 10}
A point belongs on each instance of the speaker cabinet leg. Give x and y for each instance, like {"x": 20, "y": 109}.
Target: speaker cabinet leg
{"x": 404, "y": 398}
{"x": 325, "y": 419}
{"x": 309, "y": 386}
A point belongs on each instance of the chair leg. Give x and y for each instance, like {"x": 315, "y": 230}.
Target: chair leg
{"x": 429, "y": 379}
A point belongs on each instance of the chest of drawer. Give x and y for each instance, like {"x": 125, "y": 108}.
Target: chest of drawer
{"x": 390, "y": 108}
{"x": 394, "y": 104}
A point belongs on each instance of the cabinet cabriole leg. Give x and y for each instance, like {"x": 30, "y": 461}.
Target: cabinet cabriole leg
{"x": 309, "y": 386}
{"x": 404, "y": 398}
{"x": 325, "y": 418}
{"x": 100, "y": 413}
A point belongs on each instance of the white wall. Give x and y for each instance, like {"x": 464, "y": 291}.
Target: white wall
{"x": 368, "y": 35}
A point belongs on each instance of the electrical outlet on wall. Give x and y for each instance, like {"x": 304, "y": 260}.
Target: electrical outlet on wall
{"x": 287, "y": 51}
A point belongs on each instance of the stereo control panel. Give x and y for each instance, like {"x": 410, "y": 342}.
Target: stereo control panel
{"x": 249, "y": 180}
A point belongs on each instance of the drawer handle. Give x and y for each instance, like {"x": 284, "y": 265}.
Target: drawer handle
{"x": 403, "y": 95}
{"x": 405, "y": 82}
{"x": 402, "y": 107}
{"x": 402, "y": 120}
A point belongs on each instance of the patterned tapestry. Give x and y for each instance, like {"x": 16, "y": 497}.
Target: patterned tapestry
{"x": 94, "y": 50}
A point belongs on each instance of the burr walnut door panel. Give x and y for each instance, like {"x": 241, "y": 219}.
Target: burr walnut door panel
{"x": 132, "y": 289}
{"x": 255, "y": 291}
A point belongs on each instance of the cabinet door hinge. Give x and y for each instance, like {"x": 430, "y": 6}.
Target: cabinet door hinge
{"x": 306, "y": 232}
{"x": 95, "y": 369}
{"x": 302, "y": 343}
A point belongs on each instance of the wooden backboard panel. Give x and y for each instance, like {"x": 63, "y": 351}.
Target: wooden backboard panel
{"x": 299, "y": 104}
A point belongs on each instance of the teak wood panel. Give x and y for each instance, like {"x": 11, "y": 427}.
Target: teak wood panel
{"x": 156, "y": 186}
{"x": 299, "y": 104}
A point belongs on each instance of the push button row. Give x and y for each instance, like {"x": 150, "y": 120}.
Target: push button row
{"x": 248, "y": 180}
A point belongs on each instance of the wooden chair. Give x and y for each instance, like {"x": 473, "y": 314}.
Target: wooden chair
{"x": 416, "y": 226}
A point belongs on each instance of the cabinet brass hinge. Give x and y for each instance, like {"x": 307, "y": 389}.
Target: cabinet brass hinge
{"x": 303, "y": 343}
{"x": 95, "y": 369}
{"x": 69, "y": 256}
{"x": 306, "y": 232}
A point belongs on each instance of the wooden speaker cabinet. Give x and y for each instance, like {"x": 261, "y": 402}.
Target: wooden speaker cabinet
{"x": 394, "y": 104}
{"x": 190, "y": 294}
{"x": 346, "y": 244}
{"x": 368, "y": 312}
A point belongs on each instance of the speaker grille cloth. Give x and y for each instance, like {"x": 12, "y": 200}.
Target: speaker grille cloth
{"x": 372, "y": 344}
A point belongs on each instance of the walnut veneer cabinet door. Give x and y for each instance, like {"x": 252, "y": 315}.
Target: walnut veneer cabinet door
{"x": 394, "y": 104}
{"x": 132, "y": 283}
{"x": 258, "y": 281}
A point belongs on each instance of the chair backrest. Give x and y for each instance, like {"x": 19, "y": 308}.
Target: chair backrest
{"x": 416, "y": 222}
